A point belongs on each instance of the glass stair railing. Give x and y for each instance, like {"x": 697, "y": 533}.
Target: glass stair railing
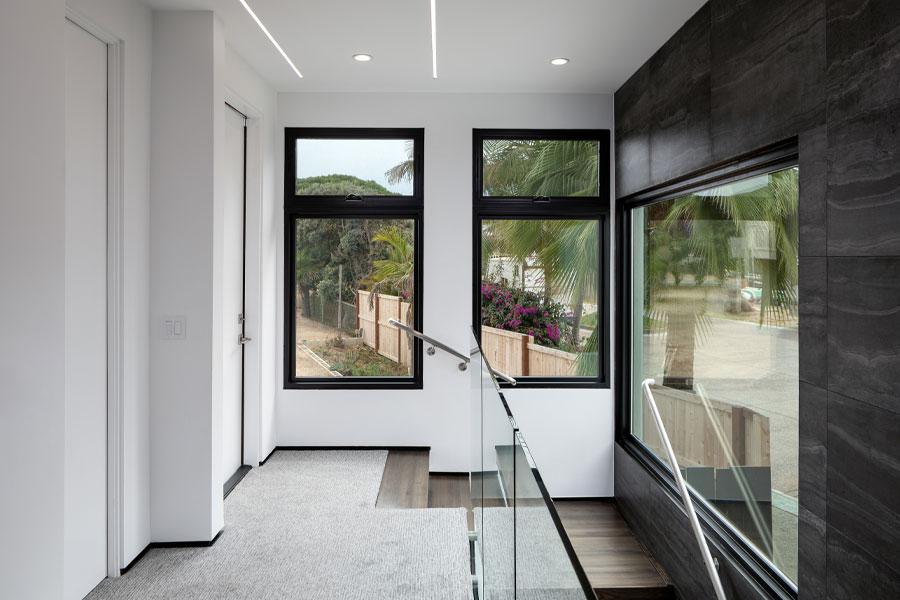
{"x": 521, "y": 550}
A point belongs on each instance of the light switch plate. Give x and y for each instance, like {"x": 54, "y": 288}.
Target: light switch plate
{"x": 174, "y": 327}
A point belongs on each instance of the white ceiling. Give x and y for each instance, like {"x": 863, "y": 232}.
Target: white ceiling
{"x": 483, "y": 45}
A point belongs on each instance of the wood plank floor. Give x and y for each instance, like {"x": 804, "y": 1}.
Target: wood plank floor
{"x": 616, "y": 564}
{"x": 405, "y": 480}
{"x": 450, "y": 490}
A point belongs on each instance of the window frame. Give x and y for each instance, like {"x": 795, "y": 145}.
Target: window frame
{"x": 724, "y": 537}
{"x": 337, "y": 207}
{"x": 489, "y": 208}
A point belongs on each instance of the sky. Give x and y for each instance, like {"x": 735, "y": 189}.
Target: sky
{"x": 366, "y": 159}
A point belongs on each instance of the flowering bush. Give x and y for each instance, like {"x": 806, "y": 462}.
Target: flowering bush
{"x": 523, "y": 312}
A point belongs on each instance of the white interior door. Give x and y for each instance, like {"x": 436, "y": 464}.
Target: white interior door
{"x": 85, "y": 279}
{"x": 232, "y": 432}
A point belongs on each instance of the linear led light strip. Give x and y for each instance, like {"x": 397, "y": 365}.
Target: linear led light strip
{"x": 433, "y": 39}
{"x": 272, "y": 39}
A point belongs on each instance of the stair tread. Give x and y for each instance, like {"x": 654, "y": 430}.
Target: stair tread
{"x": 404, "y": 483}
{"x": 612, "y": 557}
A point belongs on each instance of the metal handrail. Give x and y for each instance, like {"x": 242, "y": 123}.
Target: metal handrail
{"x": 433, "y": 342}
{"x": 685, "y": 495}
{"x": 500, "y": 375}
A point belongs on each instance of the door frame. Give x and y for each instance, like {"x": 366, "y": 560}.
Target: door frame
{"x": 243, "y": 314}
{"x": 115, "y": 291}
{"x": 253, "y": 192}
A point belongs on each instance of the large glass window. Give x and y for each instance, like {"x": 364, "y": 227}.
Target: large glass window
{"x": 714, "y": 318}
{"x": 353, "y": 257}
{"x": 541, "y": 200}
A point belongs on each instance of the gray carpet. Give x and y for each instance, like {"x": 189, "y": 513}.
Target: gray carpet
{"x": 536, "y": 568}
{"x": 304, "y": 526}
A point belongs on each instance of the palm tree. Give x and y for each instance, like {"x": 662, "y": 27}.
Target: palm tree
{"x": 396, "y": 271}
{"x": 697, "y": 243}
{"x": 697, "y": 240}
{"x": 541, "y": 168}
{"x": 404, "y": 170}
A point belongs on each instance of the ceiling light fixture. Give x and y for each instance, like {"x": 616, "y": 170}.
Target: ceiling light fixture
{"x": 271, "y": 39}
{"x": 362, "y": 57}
{"x": 558, "y": 62}
{"x": 434, "y": 39}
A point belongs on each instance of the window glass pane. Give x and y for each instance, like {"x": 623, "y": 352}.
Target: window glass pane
{"x": 366, "y": 167}
{"x": 714, "y": 323}
{"x": 539, "y": 297}
{"x": 551, "y": 168}
{"x": 352, "y": 276}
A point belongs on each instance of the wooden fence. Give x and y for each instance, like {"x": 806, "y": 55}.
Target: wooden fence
{"x": 517, "y": 355}
{"x": 372, "y": 320}
{"x": 693, "y": 431}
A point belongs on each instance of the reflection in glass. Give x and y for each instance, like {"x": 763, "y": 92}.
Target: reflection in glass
{"x": 366, "y": 167}
{"x": 493, "y": 485}
{"x": 714, "y": 322}
{"x": 551, "y": 168}
{"x": 352, "y": 276}
{"x": 518, "y": 548}
{"x": 543, "y": 568}
{"x": 539, "y": 296}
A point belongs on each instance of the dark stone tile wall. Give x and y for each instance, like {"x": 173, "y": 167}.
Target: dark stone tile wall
{"x": 864, "y": 329}
{"x": 632, "y": 104}
{"x": 739, "y": 75}
{"x": 679, "y": 131}
{"x": 768, "y": 70}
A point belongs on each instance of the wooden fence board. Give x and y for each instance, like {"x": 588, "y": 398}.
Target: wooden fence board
{"x": 693, "y": 431}
{"x": 517, "y": 355}
{"x": 377, "y": 333}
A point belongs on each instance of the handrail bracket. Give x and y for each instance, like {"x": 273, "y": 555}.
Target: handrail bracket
{"x": 464, "y": 360}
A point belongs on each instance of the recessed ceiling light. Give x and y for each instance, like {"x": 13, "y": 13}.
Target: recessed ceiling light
{"x": 362, "y": 57}
{"x": 271, "y": 38}
{"x": 558, "y": 62}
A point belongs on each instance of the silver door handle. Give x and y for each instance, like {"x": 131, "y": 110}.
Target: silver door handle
{"x": 243, "y": 339}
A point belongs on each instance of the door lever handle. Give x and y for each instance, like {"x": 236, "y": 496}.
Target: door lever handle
{"x": 243, "y": 339}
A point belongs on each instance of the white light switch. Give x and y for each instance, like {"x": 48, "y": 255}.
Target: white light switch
{"x": 174, "y": 328}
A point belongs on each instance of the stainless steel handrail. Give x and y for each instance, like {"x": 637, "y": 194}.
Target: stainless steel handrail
{"x": 500, "y": 375}
{"x": 685, "y": 495}
{"x": 433, "y": 342}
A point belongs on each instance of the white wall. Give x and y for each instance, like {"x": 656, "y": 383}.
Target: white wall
{"x": 570, "y": 432}
{"x": 32, "y": 298}
{"x": 187, "y": 113}
{"x": 246, "y": 91}
{"x": 32, "y": 59}
{"x": 132, "y": 22}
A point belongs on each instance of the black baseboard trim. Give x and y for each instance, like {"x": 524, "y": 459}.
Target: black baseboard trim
{"x": 234, "y": 480}
{"x": 154, "y": 545}
{"x": 268, "y": 456}
{"x": 135, "y": 560}
{"x": 388, "y": 448}
{"x": 610, "y": 499}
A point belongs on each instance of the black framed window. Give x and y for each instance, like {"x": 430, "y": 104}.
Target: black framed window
{"x": 353, "y": 211}
{"x": 540, "y": 276}
{"x": 709, "y": 310}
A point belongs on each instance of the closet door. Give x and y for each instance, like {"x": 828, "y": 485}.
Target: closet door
{"x": 85, "y": 278}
